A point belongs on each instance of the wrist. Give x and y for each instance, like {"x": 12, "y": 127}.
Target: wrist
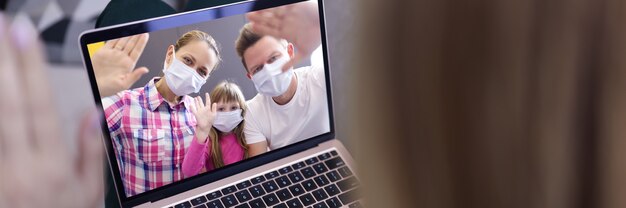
{"x": 202, "y": 135}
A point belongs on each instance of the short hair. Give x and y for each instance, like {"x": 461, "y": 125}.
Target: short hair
{"x": 247, "y": 38}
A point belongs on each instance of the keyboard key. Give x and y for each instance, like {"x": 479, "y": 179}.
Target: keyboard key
{"x": 243, "y": 196}
{"x": 345, "y": 171}
{"x": 229, "y": 190}
{"x": 356, "y": 205}
{"x": 320, "y": 194}
{"x": 214, "y": 195}
{"x": 295, "y": 177}
{"x": 320, "y": 168}
{"x": 334, "y": 153}
{"x": 324, "y": 156}
{"x": 283, "y": 205}
{"x": 298, "y": 165}
{"x": 308, "y": 172}
{"x": 256, "y": 191}
{"x": 257, "y": 203}
{"x": 199, "y": 200}
{"x": 348, "y": 183}
{"x": 244, "y": 185}
{"x": 294, "y": 203}
{"x": 183, "y": 205}
{"x": 333, "y": 202}
{"x": 283, "y": 181}
{"x": 309, "y": 185}
{"x": 270, "y": 186}
{"x": 349, "y": 197}
{"x": 296, "y": 190}
{"x": 271, "y": 175}
{"x": 270, "y": 199}
{"x": 258, "y": 179}
{"x": 332, "y": 190}
{"x": 321, "y": 180}
{"x": 243, "y": 206}
{"x": 320, "y": 205}
{"x": 285, "y": 170}
{"x": 311, "y": 161}
{"x": 334, "y": 163}
{"x": 214, "y": 204}
{"x": 229, "y": 201}
{"x": 333, "y": 176}
{"x": 284, "y": 194}
{"x": 307, "y": 199}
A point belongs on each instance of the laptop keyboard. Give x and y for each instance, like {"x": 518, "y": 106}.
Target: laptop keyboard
{"x": 321, "y": 181}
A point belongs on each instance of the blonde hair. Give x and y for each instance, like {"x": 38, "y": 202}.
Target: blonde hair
{"x": 227, "y": 91}
{"x": 197, "y": 35}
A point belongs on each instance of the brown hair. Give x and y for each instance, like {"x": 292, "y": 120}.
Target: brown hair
{"x": 227, "y": 91}
{"x": 490, "y": 104}
{"x": 247, "y": 38}
{"x": 197, "y": 35}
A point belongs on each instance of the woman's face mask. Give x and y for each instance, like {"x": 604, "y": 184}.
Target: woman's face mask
{"x": 182, "y": 79}
{"x": 270, "y": 80}
{"x": 227, "y": 121}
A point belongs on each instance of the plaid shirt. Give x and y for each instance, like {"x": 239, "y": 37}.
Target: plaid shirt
{"x": 149, "y": 136}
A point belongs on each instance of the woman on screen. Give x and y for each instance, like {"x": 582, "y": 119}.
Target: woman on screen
{"x": 226, "y": 143}
{"x": 152, "y": 126}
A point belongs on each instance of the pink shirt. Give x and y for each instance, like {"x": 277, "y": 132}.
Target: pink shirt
{"x": 198, "y": 156}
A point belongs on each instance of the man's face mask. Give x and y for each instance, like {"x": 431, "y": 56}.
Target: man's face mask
{"x": 271, "y": 80}
{"x": 182, "y": 79}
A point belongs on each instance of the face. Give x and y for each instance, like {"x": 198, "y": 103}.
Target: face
{"x": 227, "y": 106}
{"x": 196, "y": 54}
{"x": 265, "y": 51}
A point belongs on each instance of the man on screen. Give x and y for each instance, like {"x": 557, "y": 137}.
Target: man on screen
{"x": 291, "y": 104}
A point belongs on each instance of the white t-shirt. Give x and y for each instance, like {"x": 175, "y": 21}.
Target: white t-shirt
{"x": 305, "y": 116}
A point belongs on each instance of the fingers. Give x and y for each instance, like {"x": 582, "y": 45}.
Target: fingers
{"x": 13, "y": 132}
{"x": 207, "y": 98}
{"x": 130, "y": 44}
{"x": 134, "y": 76}
{"x": 121, "y": 43}
{"x": 111, "y": 43}
{"x": 266, "y": 30}
{"x": 137, "y": 49}
{"x": 214, "y": 107}
{"x": 90, "y": 161}
{"x": 43, "y": 118}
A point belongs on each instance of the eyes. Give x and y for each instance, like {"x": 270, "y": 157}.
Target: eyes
{"x": 269, "y": 61}
{"x": 231, "y": 108}
{"x": 191, "y": 63}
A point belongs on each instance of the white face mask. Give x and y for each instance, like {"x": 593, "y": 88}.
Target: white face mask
{"x": 227, "y": 121}
{"x": 182, "y": 79}
{"x": 271, "y": 80}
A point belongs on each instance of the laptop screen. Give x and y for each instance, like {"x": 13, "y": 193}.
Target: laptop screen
{"x": 215, "y": 94}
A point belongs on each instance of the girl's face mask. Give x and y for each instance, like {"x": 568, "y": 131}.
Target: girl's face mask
{"x": 182, "y": 79}
{"x": 227, "y": 121}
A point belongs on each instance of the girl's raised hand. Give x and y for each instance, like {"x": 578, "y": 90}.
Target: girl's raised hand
{"x": 205, "y": 115}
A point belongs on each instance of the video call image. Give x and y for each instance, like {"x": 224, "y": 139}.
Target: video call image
{"x": 215, "y": 93}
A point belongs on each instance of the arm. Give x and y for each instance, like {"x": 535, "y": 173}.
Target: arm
{"x": 257, "y": 148}
{"x": 297, "y": 23}
{"x": 195, "y": 157}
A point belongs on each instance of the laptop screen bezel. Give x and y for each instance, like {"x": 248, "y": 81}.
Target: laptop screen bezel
{"x": 183, "y": 19}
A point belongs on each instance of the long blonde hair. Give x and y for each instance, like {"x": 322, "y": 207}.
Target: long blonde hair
{"x": 227, "y": 91}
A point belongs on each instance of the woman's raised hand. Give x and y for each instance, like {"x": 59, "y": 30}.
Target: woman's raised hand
{"x": 205, "y": 115}
{"x": 114, "y": 64}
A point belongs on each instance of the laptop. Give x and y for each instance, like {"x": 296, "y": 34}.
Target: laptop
{"x": 312, "y": 169}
